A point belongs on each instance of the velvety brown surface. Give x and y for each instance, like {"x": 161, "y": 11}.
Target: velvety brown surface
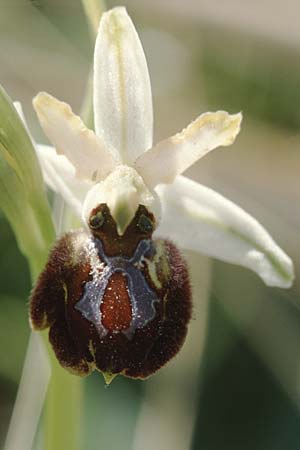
{"x": 75, "y": 340}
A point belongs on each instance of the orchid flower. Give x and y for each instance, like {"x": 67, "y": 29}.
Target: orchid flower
{"x": 115, "y": 297}
{"x": 118, "y": 164}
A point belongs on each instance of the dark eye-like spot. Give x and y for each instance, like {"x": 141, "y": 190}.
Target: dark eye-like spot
{"x": 97, "y": 220}
{"x": 145, "y": 224}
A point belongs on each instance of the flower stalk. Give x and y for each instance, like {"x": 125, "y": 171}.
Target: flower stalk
{"x": 93, "y": 10}
{"x": 64, "y": 408}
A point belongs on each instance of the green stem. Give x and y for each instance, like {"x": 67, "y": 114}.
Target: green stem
{"x": 93, "y": 10}
{"x": 63, "y": 414}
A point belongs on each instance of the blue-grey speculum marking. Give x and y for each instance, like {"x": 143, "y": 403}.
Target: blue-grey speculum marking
{"x": 142, "y": 297}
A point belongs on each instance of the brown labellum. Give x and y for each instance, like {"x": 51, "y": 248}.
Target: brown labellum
{"x": 119, "y": 304}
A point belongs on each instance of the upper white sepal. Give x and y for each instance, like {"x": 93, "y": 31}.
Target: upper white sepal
{"x": 122, "y": 91}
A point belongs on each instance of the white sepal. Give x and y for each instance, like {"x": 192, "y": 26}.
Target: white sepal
{"x": 174, "y": 155}
{"x": 122, "y": 191}
{"x": 202, "y": 220}
{"x": 70, "y": 137}
{"x": 122, "y": 91}
{"x": 59, "y": 175}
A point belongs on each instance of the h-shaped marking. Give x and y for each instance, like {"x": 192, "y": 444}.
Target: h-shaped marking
{"x": 141, "y": 296}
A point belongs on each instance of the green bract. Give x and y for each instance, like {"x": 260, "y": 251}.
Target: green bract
{"x": 22, "y": 192}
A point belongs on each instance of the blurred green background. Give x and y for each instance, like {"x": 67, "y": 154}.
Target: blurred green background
{"x": 236, "y": 383}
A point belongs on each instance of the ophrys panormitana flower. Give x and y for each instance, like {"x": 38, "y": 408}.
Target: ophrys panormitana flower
{"x": 116, "y": 297}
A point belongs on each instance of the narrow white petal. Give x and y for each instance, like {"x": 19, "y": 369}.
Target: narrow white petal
{"x": 174, "y": 155}
{"x": 122, "y": 92}
{"x": 59, "y": 175}
{"x": 58, "y": 172}
{"x": 70, "y": 137}
{"x": 202, "y": 220}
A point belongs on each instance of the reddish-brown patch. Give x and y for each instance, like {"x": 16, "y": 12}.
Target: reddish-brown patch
{"x": 116, "y": 305}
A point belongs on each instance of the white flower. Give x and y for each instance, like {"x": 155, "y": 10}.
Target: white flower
{"x": 118, "y": 165}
